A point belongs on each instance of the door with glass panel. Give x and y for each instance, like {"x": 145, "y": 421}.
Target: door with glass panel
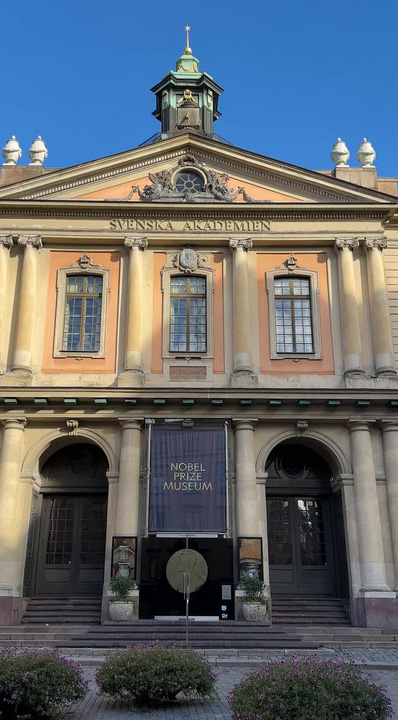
{"x": 300, "y": 546}
{"x": 72, "y": 545}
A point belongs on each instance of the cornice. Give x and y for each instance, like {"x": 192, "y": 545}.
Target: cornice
{"x": 276, "y": 211}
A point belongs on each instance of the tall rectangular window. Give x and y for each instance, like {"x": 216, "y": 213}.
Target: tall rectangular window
{"x": 83, "y": 309}
{"x": 187, "y": 314}
{"x": 293, "y": 319}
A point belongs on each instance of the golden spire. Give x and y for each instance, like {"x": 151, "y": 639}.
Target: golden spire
{"x": 187, "y": 50}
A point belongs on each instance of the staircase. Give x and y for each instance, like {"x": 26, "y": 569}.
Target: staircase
{"x": 299, "y": 611}
{"x": 206, "y": 635}
{"x": 63, "y": 611}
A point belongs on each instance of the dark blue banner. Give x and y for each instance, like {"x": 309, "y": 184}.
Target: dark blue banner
{"x": 188, "y": 480}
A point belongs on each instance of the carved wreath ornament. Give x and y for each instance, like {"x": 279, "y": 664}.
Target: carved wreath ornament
{"x": 163, "y": 188}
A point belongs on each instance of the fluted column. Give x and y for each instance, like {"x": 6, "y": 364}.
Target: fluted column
{"x": 370, "y": 542}
{"x": 390, "y": 444}
{"x": 246, "y": 483}
{"x": 379, "y": 308}
{"x": 134, "y": 323}
{"x": 6, "y": 243}
{"x": 241, "y": 306}
{"x": 352, "y": 347}
{"x": 128, "y": 494}
{"x": 27, "y": 304}
{"x": 11, "y": 563}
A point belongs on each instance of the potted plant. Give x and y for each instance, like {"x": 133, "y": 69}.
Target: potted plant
{"x": 121, "y": 607}
{"x": 254, "y": 602}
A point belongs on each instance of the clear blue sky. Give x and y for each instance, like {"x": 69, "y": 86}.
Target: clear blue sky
{"x": 296, "y": 74}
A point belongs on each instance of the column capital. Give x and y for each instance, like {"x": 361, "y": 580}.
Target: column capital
{"x": 14, "y": 424}
{"x": 131, "y": 423}
{"x": 135, "y": 243}
{"x": 240, "y": 244}
{"x": 388, "y": 425}
{"x": 346, "y": 244}
{"x": 6, "y": 241}
{"x": 244, "y": 423}
{"x": 355, "y": 424}
{"x": 378, "y": 243}
{"x": 33, "y": 241}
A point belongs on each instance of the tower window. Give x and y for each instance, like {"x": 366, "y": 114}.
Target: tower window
{"x": 189, "y": 182}
{"x": 187, "y": 314}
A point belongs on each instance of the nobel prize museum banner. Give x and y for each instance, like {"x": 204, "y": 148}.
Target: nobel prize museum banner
{"x": 188, "y": 480}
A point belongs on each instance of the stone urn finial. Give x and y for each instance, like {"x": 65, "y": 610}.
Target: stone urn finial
{"x": 366, "y": 154}
{"x": 11, "y": 151}
{"x": 340, "y": 153}
{"x": 37, "y": 151}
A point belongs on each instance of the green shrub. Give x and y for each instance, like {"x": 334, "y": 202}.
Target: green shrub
{"x": 121, "y": 586}
{"x": 254, "y": 590}
{"x": 154, "y": 675}
{"x": 308, "y": 689}
{"x": 37, "y": 682}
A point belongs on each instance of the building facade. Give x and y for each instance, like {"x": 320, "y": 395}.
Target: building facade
{"x": 198, "y": 350}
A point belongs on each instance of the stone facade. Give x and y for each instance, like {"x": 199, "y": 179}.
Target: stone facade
{"x": 340, "y": 402}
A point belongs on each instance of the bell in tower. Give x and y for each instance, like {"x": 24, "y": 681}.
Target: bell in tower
{"x": 186, "y": 99}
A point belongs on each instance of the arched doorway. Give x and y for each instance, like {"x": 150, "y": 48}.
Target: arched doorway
{"x": 305, "y": 524}
{"x": 72, "y": 521}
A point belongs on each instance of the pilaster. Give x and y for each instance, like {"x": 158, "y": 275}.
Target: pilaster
{"x": 246, "y": 482}
{"x": 242, "y": 361}
{"x": 379, "y": 308}
{"x": 6, "y": 243}
{"x": 376, "y": 604}
{"x": 27, "y": 304}
{"x": 352, "y": 346}
{"x": 134, "y": 322}
{"x": 128, "y": 494}
{"x": 389, "y": 429}
{"x": 12, "y": 534}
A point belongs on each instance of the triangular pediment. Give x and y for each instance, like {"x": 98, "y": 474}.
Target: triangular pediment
{"x": 236, "y": 175}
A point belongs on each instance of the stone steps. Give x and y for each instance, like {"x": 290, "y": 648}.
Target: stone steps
{"x": 293, "y": 610}
{"x": 217, "y": 635}
{"x": 65, "y": 610}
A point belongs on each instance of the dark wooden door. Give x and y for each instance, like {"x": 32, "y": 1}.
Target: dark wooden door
{"x": 300, "y": 546}
{"x": 72, "y": 545}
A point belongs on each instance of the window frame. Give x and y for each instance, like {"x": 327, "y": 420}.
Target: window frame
{"x": 188, "y": 296}
{"x": 167, "y": 274}
{"x": 82, "y": 269}
{"x": 296, "y": 273}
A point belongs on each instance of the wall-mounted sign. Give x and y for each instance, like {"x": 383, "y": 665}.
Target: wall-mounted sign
{"x": 188, "y": 480}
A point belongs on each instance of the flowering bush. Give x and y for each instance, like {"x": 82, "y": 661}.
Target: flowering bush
{"x": 154, "y": 675}
{"x": 37, "y": 682}
{"x": 308, "y": 689}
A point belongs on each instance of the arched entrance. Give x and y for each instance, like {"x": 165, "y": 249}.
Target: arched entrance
{"x": 71, "y": 521}
{"x": 305, "y": 525}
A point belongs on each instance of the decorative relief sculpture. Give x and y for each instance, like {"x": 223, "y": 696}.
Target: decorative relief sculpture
{"x": 188, "y": 260}
{"x": 214, "y": 187}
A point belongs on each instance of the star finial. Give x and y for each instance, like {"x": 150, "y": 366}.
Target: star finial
{"x": 187, "y": 50}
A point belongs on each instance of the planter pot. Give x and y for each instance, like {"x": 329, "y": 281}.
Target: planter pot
{"x": 121, "y": 611}
{"x": 254, "y": 612}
